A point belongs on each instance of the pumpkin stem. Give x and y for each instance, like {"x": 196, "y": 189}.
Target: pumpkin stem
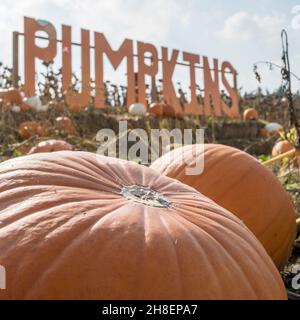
{"x": 146, "y": 196}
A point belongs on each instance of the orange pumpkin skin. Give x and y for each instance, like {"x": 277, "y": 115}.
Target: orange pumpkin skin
{"x": 50, "y": 146}
{"x": 168, "y": 111}
{"x": 263, "y": 133}
{"x": 73, "y": 226}
{"x": 242, "y": 185}
{"x": 54, "y": 105}
{"x": 65, "y": 125}
{"x": 11, "y": 96}
{"x": 156, "y": 109}
{"x": 28, "y": 129}
{"x": 282, "y": 147}
{"x": 25, "y": 107}
{"x": 160, "y": 109}
{"x": 250, "y": 114}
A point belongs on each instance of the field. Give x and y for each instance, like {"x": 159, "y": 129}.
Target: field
{"x": 17, "y": 139}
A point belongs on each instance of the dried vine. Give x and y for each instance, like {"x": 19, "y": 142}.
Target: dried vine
{"x": 286, "y": 75}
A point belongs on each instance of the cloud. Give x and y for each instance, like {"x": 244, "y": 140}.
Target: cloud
{"x": 244, "y": 26}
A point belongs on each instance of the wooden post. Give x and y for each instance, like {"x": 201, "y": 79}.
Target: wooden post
{"x": 153, "y": 87}
{"x": 15, "y": 70}
{"x": 235, "y": 81}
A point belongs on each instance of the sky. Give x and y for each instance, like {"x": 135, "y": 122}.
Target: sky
{"x": 241, "y": 32}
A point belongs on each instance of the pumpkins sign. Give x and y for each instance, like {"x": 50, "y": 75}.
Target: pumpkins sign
{"x": 149, "y": 61}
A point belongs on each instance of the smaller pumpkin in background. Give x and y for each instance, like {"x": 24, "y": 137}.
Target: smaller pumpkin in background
{"x": 250, "y": 114}
{"x": 65, "y": 125}
{"x": 282, "y": 147}
{"x": 55, "y": 106}
{"x": 28, "y": 129}
{"x": 161, "y": 109}
{"x": 263, "y": 133}
{"x": 137, "y": 109}
{"x": 51, "y": 146}
{"x": 12, "y": 96}
{"x": 12, "y": 100}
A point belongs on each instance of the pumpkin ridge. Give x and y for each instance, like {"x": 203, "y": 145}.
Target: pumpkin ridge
{"x": 46, "y": 158}
{"x": 193, "y": 238}
{"x": 161, "y": 217}
{"x": 240, "y": 239}
{"x": 200, "y": 228}
{"x": 46, "y": 208}
{"x": 41, "y": 239}
{"x": 234, "y": 234}
{"x": 96, "y": 182}
{"x": 229, "y": 217}
{"x": 78, "y": 237}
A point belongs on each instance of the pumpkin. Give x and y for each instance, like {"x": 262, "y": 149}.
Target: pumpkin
{"x": 75, "y": 225}
{"x": 242, "y": 185}
{"x": 50, "y": 146}
{"x": 156, "y": 109}
{"x": 263, "y": 133}
{"x": 28, "y": 129}
{"x": 12, "y": 100}
{"x": 56, "y": 106}
{"x": 250, "y": 114}
{"x": 160, "y": 109}
{"x": 137, "y": 109}
{"x": 281, "y": 147}
{"x": 11, "y": 96}
{"x": 65, "y": 125}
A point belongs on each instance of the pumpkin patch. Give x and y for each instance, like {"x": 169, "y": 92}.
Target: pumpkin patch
{"x": 137, "y": 171}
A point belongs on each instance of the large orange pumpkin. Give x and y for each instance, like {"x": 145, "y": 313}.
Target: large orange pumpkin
{"x": 282, "y": 147}
{"x": 50, "y": 146}
{"x": 250, "y": 114}
{"x": 78, "y": 226}
{"x": 241, "y": 184}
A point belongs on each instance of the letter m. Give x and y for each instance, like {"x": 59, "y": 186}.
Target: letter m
{"x": 115, "y": 57}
